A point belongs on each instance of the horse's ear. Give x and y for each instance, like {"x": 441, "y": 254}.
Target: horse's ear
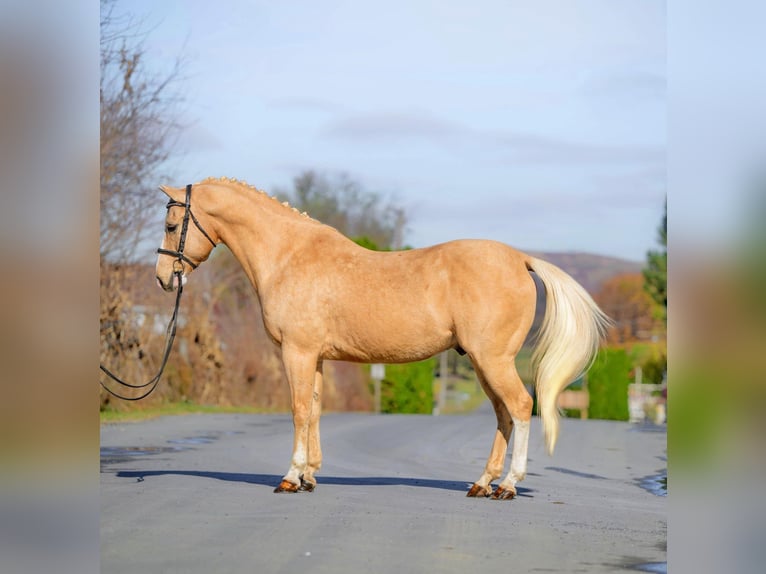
{"x": 172, "y": 192}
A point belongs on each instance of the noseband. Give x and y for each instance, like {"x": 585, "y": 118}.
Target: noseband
{"x": 179, "y": 254}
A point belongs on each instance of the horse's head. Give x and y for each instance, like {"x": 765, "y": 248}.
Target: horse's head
{"x": 186, "y": 243}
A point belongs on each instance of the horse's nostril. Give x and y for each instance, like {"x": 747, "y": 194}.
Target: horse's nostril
{"x": 162, "y": 285}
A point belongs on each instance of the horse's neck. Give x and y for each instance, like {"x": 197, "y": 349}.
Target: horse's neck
{"x": 262, "y": 234}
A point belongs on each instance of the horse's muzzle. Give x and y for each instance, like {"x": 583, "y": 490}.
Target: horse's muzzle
{"x": 172, "y": 284}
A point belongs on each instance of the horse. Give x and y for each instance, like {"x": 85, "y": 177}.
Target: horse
{"x": 325, "y": 297}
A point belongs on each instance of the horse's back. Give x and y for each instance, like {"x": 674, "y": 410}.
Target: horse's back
{"x": 438, "y": 270}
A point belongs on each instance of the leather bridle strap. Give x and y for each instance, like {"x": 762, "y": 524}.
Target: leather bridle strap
{"x": 179, "y": 254}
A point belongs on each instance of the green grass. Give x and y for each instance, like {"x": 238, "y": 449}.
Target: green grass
{"x": 111, "y": 416}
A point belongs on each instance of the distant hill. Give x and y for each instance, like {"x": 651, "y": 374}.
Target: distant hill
{"x": 588, "y": 269}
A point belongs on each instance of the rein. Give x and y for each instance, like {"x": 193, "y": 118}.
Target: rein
{"x": 170, "y": 332}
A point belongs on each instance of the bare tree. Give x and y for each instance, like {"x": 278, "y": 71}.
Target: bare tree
{"x": 624, "y": 299}
{"x": 360, "y": 214}
{"x": 138, "y": 124}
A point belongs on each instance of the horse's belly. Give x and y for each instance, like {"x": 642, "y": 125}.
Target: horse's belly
{"x": 389, "y": 343}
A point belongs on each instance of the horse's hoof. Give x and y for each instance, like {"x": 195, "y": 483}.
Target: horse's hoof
{"x": 307, "y": 486}
{"x": 286, "y": 486}
{"x": 478, "y": 491}
{"x": 503, "y": 493}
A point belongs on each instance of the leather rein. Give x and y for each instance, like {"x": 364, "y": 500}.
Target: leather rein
{"x": 170, "y": 332}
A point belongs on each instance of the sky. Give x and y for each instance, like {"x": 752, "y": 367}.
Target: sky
{"x": 539, "y": 124}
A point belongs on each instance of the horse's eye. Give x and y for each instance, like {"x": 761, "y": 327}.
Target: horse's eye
{"x": 171, "y": 228}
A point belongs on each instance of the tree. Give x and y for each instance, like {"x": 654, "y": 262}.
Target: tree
{"x": 623, "y": 298}
{"x": 343, "y": 203}
{"x": 137, "y": 128}
{"x": 656, "y": 270}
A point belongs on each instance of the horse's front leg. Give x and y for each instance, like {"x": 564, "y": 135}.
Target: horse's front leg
{"x": 301, "y": 369}
{"x": 314, "y": 461}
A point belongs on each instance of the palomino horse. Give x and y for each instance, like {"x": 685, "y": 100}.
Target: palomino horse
{"x": 324, "y": 297}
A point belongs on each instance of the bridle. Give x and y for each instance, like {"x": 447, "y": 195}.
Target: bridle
{"x": 178, "y": 270}
{"x": 179, "y": 254}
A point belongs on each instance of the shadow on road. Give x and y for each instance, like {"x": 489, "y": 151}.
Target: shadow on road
{"x": 272, "y": 480}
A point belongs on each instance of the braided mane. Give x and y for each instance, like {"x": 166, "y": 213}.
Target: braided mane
{"x": 244, "y": 185}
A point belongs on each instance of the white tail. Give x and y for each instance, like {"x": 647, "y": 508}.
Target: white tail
{"x": 567, "y": 344}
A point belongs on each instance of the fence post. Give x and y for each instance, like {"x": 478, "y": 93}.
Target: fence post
{"x": 441, "y": 399}
{"x": 377, "y": 373}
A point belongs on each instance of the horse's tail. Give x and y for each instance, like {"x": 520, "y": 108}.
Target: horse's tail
{"x": 567, "y": 342}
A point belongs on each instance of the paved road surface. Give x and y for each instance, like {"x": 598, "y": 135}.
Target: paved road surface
{"x": 193, "y": 494}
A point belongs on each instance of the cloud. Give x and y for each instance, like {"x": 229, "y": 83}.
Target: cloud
{"x": 523, "y": 149}
{"x": 306, "y": 104}
{"x": 499, "y": 147}
{"x": 624, "y": 86}
{"x": 631, "y": 189}
{"x": 196, "y": 138}
{"x": 394, "y": 125}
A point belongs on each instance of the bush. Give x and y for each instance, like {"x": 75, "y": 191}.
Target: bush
{"x": 608, "y": 381}
{"x": 654, "y": 368}
{"x": 653, "y": 360}
{"x": 408, "y": 388}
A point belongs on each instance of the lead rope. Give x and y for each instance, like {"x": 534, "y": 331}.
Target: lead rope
{"x": 170, "y": 335}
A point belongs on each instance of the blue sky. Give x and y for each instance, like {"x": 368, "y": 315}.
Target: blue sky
{"x": 540, "y": 124}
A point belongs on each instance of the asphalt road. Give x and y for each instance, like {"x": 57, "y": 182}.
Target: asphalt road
{"x": 193, "y": 494}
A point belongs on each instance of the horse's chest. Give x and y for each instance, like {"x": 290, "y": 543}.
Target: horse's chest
{"x": 292, "y": 319}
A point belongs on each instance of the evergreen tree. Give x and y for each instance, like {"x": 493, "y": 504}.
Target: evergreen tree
{"x": 656, "y": 270}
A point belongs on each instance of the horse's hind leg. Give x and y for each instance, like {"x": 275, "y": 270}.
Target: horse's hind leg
{"x": 513, "y": 407}
{"x": 496, "y": 460}
{"x": 507, "y": 488}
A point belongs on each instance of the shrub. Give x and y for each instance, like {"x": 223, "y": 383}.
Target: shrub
{"x": 654, "y": 368}
{"x": 408, "y": 388}
{"x": 608, "y": 381}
